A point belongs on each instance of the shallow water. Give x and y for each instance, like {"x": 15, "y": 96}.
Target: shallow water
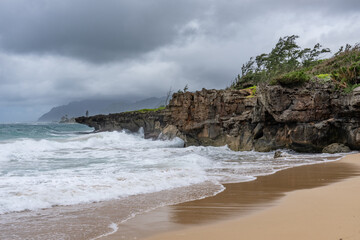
{"x": 55, "y": 174}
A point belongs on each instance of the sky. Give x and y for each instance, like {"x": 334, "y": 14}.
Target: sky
{"x": 56, "y": 51}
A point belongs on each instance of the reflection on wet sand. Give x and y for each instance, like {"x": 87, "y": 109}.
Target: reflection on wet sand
{"x": 241, "y": 198}
{"x": 237, "y": 200}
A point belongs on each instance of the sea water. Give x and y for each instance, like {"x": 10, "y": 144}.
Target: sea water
{"x": 59, "y": 173}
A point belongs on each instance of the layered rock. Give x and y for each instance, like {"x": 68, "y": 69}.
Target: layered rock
{"x": 151, "y": 122}
{"x": 305, "y": 119}
{"x": 214, "y": 117}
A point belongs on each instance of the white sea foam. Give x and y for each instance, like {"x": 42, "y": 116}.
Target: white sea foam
{"x": 113, "y": 226}
{"x": 86, "y": 168}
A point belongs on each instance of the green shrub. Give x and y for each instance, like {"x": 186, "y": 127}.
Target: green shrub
{"x": 252, "y": 91}
{"x": 325, "y": 77}
{"x": 289, "y": 65}
{"x": 294, "y": 78}
{"x": 149, "y": 110}
{"x": 347, "y": 76}
{"x": 350, "y": 88}
{"x": 286, "y": 57}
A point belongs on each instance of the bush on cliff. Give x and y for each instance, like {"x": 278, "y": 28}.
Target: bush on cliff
{"x": 344, "y": 67}
{"x": 252, "y": 91}
{"x": 290, "y": 65}
{"x": 325, "y": 77}
{"x": 145, "y": 110}
{"x": 284, "y": 60}
{"x": 290, "y": 79}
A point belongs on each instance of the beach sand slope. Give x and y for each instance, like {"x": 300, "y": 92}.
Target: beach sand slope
{"x": 327, "y": 212}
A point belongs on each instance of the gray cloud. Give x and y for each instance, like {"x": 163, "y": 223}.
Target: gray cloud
{"x": 110, "y": 30}
{"x": 90, "y": 29}
{"x": 53, "y": 52}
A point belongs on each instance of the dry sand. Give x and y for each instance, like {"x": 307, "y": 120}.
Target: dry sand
{"x": 320, "y": 211}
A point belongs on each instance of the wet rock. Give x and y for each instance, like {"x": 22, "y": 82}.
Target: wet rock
{"x": 151, "y": 122}
{"x": 277, "y": 154}
{"x": 336, "y": 148}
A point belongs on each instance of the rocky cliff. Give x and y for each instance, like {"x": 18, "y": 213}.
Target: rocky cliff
{"x": 152, "y": 122}
{"x": 305, "y": 119}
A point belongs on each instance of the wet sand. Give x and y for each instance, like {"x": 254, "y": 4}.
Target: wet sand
{"x": 312, "y": 202}
{"x": 245, "y": 210}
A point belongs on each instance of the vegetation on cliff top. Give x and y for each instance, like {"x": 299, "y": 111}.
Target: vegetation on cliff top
{"x": 289, "y": 65}
{"x": 145, "y": 110}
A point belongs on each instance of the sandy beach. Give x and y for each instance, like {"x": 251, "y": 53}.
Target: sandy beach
{"x": 330, "y": 210}
{"x": 309, "y": 202}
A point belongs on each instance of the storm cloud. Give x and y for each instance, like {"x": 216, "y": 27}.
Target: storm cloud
{"x": 53, "y": 52}
{"x": 92, "y": 30}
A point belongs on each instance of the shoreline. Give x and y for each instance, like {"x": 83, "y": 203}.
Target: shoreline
{"x": 239, "y": 200}
{"x": 326, "y": 209}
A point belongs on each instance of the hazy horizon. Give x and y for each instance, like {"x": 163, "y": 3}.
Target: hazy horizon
{"x": 55, "y": 52}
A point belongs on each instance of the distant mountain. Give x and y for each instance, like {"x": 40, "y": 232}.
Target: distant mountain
{"x": 79, "y": 108}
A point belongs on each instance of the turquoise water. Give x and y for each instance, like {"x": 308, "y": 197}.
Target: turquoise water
{"x": 41, "y": 130}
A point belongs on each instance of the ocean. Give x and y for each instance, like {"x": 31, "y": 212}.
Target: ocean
{"x": 61, "y": 181}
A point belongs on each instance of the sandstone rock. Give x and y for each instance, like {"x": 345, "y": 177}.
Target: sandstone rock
{"x": 170, "y": 132}
{"x": 336, "y": 148}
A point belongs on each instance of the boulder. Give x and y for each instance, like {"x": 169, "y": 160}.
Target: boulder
{"x": 277, "y": 154}
{"x": 336, "y": 148}
{"x": 170, "y": 132}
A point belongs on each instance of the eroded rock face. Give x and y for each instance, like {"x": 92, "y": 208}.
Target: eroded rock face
{"x": 305, "y": 119}
{"x": 152, "y": 122}
{"x": 213, "y": 117}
